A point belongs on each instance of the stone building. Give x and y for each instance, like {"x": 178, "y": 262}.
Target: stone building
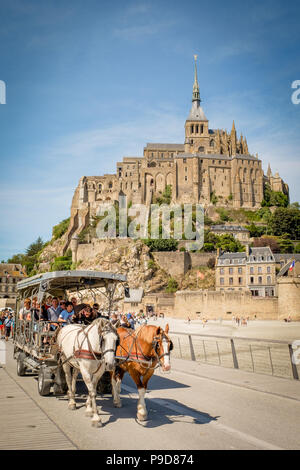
{"x": 276, "y": 182}
{"x": 10, "y": 275}
{"x": 211, "y": 164}
{"x": 252, "y": 270}
{"x": 237, "y": 231}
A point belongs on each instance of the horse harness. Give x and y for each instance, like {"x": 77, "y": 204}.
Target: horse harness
{"x": 148, "y": 360}
{"x": 88, "y": 353}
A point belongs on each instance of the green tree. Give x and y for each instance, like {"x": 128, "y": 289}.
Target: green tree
{"x": 272, "y": 242}
{"x": 255, "y": 230}
{"x": 172, "y": 285}
{"x": 286, "y": 246}
{"x": 62, "y": 263}
{"x": 274, "y": 198}
{"x": 297, "y": 248}
{"x": 161, "y": 245}
{"x": 35, "y": 247}
{"x": 230, "y": 244}
{"x": 60, "y": 229}
{"x": 285, "y": 220}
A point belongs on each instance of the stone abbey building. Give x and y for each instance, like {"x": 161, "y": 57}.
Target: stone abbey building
{"x": 211, "y": 163}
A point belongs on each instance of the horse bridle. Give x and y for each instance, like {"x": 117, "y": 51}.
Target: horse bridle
{"x": 101, "y": 334}
{"x": 155, "y": 343}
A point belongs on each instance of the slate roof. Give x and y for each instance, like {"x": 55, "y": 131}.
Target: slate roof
{"x": 158, "y": 146}
{"x": 229, "y": 228}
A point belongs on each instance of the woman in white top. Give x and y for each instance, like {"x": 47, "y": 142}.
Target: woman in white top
{"x": 25, "y": 310}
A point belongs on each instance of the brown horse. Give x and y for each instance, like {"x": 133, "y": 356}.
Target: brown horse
{"x": 139, "y": 353}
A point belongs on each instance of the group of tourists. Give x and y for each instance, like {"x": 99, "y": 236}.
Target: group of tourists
{"x": 57, "y": 311}
{"x": 6, "y": 324}
{"x": 60, "y": 312}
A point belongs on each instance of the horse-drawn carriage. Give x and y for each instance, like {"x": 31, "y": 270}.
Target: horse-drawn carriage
{"x": 95, "y": 351}
{"x": 35, "y": 345}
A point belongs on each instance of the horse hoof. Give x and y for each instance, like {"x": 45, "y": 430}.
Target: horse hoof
{"x": 118, "y": 405}
{"x": 96, "y": 424}
{"x": 141, "y": 417}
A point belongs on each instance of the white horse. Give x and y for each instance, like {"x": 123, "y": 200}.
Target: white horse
{"x": 91, "y": 351}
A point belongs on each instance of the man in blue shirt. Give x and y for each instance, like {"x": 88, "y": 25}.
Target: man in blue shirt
{"x": 53, "y": 312}
{"x": 8, "y": 323}
{"x": 66, "y": 315}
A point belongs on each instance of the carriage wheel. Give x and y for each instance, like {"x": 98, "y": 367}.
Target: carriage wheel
{"x": 44, "y": 381}
{"x": 21, "y": 368}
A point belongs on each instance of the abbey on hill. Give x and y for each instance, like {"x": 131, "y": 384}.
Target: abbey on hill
{"x": 211, "y": 162}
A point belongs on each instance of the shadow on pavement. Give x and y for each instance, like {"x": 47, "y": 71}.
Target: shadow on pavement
{"x": 161, "y": 411}
{"x": 159, "y": 414}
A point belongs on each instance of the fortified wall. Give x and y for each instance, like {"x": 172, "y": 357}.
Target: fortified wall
{"x": 214, "y": 305}
{"x": 177, "y": 264}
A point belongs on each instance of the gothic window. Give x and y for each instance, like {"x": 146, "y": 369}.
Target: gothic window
{"x": 185, "y": 178}
{"x": 110, "y": 184}
{"x": 192, "y": 128}
{"x": 201, "y": 129}
{"x": 100, "y": 188}
{"x": 212, "y": 143}
{"x": 201, "y": 149}
{"x": 197, "y": 129}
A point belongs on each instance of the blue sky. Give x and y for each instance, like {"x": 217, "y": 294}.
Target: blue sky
{"x": 89, "y": 82}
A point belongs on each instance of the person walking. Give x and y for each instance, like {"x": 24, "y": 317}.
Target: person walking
{"x": 8, "y": 323}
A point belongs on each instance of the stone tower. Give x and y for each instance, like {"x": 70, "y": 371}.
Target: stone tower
{"x": 196, "y": 125}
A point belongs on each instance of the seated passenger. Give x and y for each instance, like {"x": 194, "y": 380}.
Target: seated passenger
{"x": 67, "y": 314}
{"x": 25, "y": 310}
{"x": 53, "y": 312}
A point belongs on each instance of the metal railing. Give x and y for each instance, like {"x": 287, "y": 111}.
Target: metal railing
{"x": 271, "y": 357}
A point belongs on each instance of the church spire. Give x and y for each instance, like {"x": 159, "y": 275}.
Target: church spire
{"x": 196, "y": 93}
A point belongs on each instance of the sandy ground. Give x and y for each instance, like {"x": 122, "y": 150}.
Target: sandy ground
{"x": 277, "y": 330}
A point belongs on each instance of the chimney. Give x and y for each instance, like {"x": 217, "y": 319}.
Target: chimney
{"x": 247, "y": 250}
